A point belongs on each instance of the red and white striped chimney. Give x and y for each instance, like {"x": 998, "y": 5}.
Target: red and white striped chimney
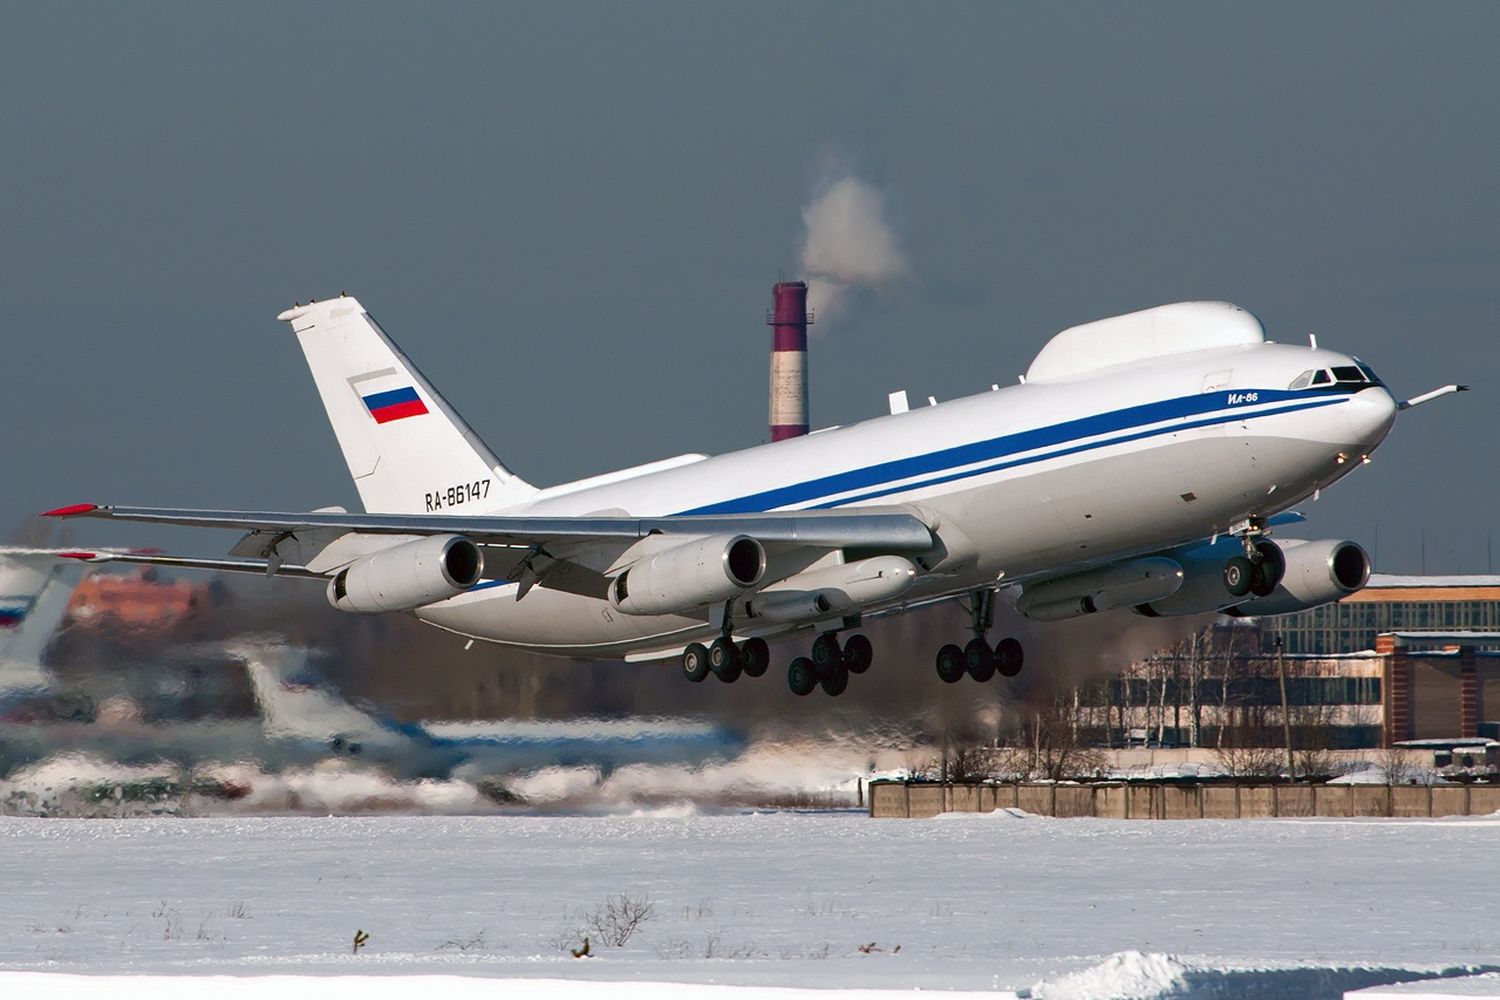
{"x": 789, "y": 319}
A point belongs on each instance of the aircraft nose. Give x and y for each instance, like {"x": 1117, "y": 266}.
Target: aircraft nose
{"x": 1371, "y": 413}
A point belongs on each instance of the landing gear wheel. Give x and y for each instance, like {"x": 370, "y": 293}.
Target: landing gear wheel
{"x": 801, "y": 676}
{"x": 825, "y": 653}
{"x": 1008, "y": 657}
{"x": 836, "y": 680}
{"x": 950, "y": 664}
{"x": 1238, "y": 572}
{"x": 755, "y": 657}
{"x": 979, "y": 660}
{"x": 724, "y": 660}
{"x": 695, "y": 662}
{"x": 858, "y": 654}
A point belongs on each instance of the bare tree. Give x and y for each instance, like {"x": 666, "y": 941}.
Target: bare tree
{"x": 1396, "y": 766}
{"x": 1049, "y": 747}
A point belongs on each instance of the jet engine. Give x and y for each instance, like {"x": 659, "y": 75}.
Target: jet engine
{"x": 831, "y": 589}
{"x": 1136, "y": 581}
{"x": 1316, "y": 573}
{"x": 1311, "y": 573}
{"x": 701, "y": 572}
{"x": 407, "y": 576}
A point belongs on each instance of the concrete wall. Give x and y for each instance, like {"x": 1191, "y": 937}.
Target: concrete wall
{"x": 895, "y": 799}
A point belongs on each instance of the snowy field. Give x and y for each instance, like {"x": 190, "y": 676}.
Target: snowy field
{"x": 1057, "y": 908}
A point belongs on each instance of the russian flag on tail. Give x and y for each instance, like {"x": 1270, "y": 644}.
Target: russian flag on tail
{"x": 394, "y": 404}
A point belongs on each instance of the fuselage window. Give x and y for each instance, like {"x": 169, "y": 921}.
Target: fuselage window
{"x": 1302, "y": 381}
{"x": 1321, "y": 377}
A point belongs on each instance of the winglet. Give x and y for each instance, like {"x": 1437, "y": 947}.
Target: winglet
{"x": 71, "y": 510}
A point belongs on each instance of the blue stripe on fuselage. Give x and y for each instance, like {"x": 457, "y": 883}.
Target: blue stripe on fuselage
{"x": 885, "y": 473}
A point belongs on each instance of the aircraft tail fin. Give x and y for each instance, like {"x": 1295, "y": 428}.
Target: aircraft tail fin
{"x": 294, "y": 702}
{"x": 408, "y": 450}
{"x": 36, "y": 586}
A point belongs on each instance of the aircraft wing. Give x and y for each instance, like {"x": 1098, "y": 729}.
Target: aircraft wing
{"x": 897, "y": 531}
{"x": 551, "y": 539}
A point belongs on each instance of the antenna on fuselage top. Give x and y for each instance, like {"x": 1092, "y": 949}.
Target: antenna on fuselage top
{"x": 1312, "y": 341}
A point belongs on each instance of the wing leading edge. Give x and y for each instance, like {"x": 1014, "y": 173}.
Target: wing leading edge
{"x": 898, "y": 532}
{"x": 556, "y": 550}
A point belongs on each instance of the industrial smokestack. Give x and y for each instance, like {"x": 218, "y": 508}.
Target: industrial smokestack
{"x": 789, "y": 319}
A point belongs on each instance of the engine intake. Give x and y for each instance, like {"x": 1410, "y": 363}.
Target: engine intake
{"x": 688, "y": 576}
{"x": 407, "y": 576}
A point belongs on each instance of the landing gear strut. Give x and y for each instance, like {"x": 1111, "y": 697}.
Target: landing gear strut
{"x": 978, "y": 659}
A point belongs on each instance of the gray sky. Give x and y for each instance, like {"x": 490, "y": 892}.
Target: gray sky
{"x": 570, "y": 216}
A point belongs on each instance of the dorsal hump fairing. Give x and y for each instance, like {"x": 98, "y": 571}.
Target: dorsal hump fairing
{"x": 1151, "y": 333}
{"x": 407, "y": 449}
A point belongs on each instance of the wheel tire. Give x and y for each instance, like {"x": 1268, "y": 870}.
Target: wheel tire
{"x": 950, "y": 664}
{"x": 1238, "y": 572}
{"x": 724, "y": 660}
{"x": 755, "y": 657}
{"x": 836, "y": 681}
{"x": 1008, "y": 657}
{"x": 801, "y": 676}
{"x": 979, "y": 660}
{"x": 826, "y": 654}
{"x": 695, "y": 662}
{"x": 858, "y": 654}
{"x": 1270, "y": 569}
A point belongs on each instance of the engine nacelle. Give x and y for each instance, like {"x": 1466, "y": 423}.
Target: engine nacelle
{"x": 685, "y": 577}
{"x": 407, "y": 576}
{"x": 1202, "y": 589}
{"x": 1137, "y": 581}
{"x": 1316, "y": 573}
{"x": 820, "y": 592}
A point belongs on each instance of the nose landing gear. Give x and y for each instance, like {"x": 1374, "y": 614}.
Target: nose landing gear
{"x": 1260, "y": 569}
{"x": 978, "y": 659}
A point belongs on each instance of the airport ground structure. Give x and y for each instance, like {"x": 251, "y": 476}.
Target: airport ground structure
{"x": 1156, "y": 800}
{"x": 1406, "y": 659}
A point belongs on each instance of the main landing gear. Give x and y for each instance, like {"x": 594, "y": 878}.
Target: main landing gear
{"x": 978, "y": 659}
{"x": 726, "y": 660}
{"x": 829, "y": 665}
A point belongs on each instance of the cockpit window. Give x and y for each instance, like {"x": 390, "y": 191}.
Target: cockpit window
{"x": 1370, "y": 375}
{"x": 1348, "y": 373}
{"x": 1321, "y": 377}
{"x": 1302, "y": 381}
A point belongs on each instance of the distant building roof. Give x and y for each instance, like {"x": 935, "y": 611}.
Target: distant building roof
{"x": 1397, "y": 580}
{"x": 1453, "y": 637}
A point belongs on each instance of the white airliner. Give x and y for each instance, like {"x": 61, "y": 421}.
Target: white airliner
{"x": 1139, "y": 464}
{"x": 301, "y": 711}
{"x": 35, "y": 588}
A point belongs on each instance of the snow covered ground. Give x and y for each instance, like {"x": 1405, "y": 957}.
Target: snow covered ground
{"x": 1057, "y": 908}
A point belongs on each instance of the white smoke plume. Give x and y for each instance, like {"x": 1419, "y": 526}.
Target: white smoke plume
{"x": 847, "y": 244}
